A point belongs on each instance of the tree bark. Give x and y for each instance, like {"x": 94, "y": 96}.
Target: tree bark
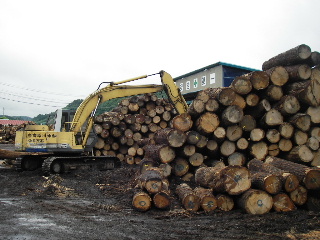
{"x": 207, "y": 201}
{"x": 290, "y": 57}
{"x": 310, "y": 177}
{"x": 283, "y": 203}
{"x": 189, "y": 199}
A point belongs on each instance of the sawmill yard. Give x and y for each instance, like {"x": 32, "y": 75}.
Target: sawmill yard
{"x": 97, "y": 205}
{"x": 241, "y": 163}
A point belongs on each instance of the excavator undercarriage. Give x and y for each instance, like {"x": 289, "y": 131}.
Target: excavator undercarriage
{"x": 63, "y": 164}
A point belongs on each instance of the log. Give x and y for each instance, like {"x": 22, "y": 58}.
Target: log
{"x": 252, "y": 99}
{"x": 301, "y": 121}
{"x": 232, "y": 179}
{"x": 273, "y": 135}
{"x": 196, "y": 159}
{"x": 166, "y": 169}
{"x": 147, "y": 163}
{"x": 300, "y": 154}
{"x": 290, "y": 57}
{"x": 232, "y": 115}
{"x": 224, "y": 202}
{"x": 241, "y": 85}
{"x": 234, "y": 132}
{"x": 273, "y": 93}
{"x": 219, "y": 134}
{"x": 316, "y": 160}
{"x": 239, "y": 101}
{"x": 141, "y": 201}
{"x": 314, "y": 113}
{"x": 188, "y": 177}
{"x": 151, "y": 180}
{"x": 313, "y": 143}
{"x": 180, "y": 166}
{"x": 160, "y": 153}
{"x": 204, "y": 95}
{"x": 212, "y": 147}
{"x": 259, "y": 150}
{"x": 315, "y": 132}
{"x": 212, "y": 105}
{"x": 285, "y": 145}
{"x": 278, "y": 75}
{"x": 193, "y": 137}
{"x": 189, "y": 199}
{"x": 306, "y": 91}
{"x": 310, "y": 177}
{"x": 226, "y": 96}
{"x": 208, "y": 202}
{"x": 286, "y": 130}
{"x": 315, "y": 74}
{"x": 172, "y": 137}
{"x": 237, "y": 158}
{"x": 187, "y": 150}
{"x": 99, "y": 144}
{"x": 283, "y": 203}
{"x": 288, "y": 105}
{"x": 268, "y": 182}
{"x": 300, "y": 138}
{"x": 161, "y": 200}
{"x": 259, "y": 79}
{"x": 7, "y": 154}
{"x": 314, "y": 59}
{"x": 97, "y": 128}
{"x": 248, "y": 123}
{"x": 256, "y": 201}
{"x": 207, "y": 123}
{"x": 242, "y": 144}
{"x": 227, "y": 148}
{"x": 273, "y": 150}
{"x": 290, "y": 181}
{"x": 272, "y": 118}
{"x": 202, "y": 142}
{"x": 299, "y": 196}
{"x": 182, "y": 122}
{"x": 204, "y": 175}
{"x": 257, "y": 134}
{"x": 298, "y": 72}
{"x": 196, "y": 108}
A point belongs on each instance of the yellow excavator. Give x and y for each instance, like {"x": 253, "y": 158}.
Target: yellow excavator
{"x": 70, "y": 144}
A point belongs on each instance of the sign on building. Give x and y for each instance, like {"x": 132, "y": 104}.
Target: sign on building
{"x": 212, "y": 78}
{"x": 203, "y": 81}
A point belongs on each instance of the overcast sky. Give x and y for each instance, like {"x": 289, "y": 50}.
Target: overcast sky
{"x": 52, "y": 52}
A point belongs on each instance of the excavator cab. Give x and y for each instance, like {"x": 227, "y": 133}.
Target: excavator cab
{"x": 60, "y": 120}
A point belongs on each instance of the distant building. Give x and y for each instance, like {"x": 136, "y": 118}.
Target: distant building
{"x": 219, "y": 74}
{"x": 6, "y": 122}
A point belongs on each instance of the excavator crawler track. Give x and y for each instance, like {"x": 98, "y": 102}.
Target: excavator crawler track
{"x": 57, "y": 165}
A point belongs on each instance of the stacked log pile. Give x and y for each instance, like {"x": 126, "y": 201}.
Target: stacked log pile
{"x": 8, "y": 134}
{"x": 133, "y": 123}
{"x": 254, "y": 144}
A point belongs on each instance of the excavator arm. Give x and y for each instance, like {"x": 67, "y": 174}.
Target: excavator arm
{"x": 87, "y": 109}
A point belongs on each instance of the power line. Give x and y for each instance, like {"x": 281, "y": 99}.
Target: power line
{"x": 37, "y": 90}
{"x": 38, "y": 99}
{"x": 46, "y": 105}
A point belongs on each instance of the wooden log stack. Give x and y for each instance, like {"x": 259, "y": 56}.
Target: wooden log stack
{"x": 8, "y": 132}
{"x": 253, "y": 145}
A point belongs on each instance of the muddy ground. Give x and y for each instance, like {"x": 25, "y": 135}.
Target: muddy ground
{"x": 97, "y": 205}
